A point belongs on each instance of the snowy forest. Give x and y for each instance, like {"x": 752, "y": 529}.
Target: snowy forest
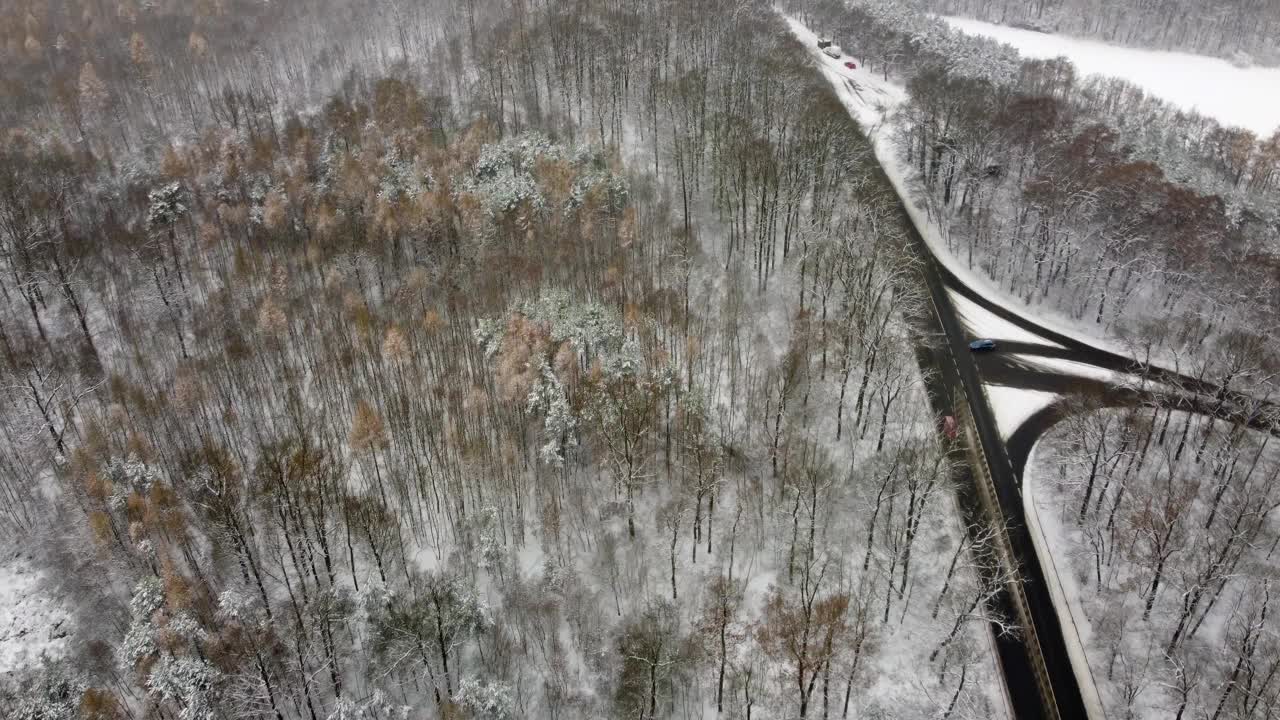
{"x": 497, "y": 359}
{"x": 1182, "y": 511}
{"x": 464, "y": 360}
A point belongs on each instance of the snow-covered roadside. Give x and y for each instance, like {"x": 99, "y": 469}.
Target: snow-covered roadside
{"x": 1013, "y": 406}
{"x": 983, "y": 323}
{"x": 1047, "y": 536}
{"x": 1059, "y": 366}
{"x": 1071, "y": 367}
{"x": 1210, "y": 86}
{"x": 871, "y": 101}
{"x": 31, "y": 623}
{"x": 868, "y": 98}
{"x": 875, "y": 99}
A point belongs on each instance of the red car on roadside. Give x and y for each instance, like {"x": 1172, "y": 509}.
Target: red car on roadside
{"x": 851, "y": 65}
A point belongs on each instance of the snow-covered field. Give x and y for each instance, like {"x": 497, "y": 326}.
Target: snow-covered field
{"x": 1243, "y": 97}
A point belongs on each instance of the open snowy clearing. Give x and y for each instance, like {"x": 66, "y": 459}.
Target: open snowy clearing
{"x": 1013, "y": 406}
{"x": 983, "y": 323}
{"x": 31, "y": 624}
{"x": 1210, "y": 86}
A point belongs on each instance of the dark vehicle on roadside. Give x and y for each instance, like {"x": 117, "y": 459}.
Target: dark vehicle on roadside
{"x": 982, "y": 345}
{"x": 824, "y": 43}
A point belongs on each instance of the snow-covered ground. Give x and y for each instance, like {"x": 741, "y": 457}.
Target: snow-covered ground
{"x": 1100, "y": 570}
{"x": 983, "y": 323}
{"x": 897, "y": 680}
{"x": 1243, "y": 97}
{"x": 1070, "y": 367}
{"x": 1012, "y": 406}
{"x": 31, "y": 623}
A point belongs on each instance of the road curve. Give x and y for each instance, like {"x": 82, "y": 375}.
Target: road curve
{"x": 960, "y": 377}
{"x": 962, "y": 374}
{"x": 953, "y": 385}
{"x": 954, "y": 381}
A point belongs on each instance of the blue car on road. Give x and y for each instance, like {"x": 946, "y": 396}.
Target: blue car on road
{"x": 982, "y": 345}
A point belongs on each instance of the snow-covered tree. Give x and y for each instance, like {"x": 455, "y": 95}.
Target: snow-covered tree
{"x": 165, "y": 206}
{"x": 511, "y": 181}
{"x": 189, "y": 683}
{"x": 622, "y": 403}
{"x": 140, "y": 641}
{"x": 429, "y": 624}
{"x": 485, "y": 700}
{"x": 54, "y": 694}
{"x": 376, "y": 707}
{"x": 559, "y": 425}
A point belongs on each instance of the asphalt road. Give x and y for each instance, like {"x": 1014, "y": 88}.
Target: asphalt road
{"x": 956, "y": 379}
{"x": 1007, "y": 367}
{"x": 1239, "y": 407}
{"x": 952, "y": 378}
